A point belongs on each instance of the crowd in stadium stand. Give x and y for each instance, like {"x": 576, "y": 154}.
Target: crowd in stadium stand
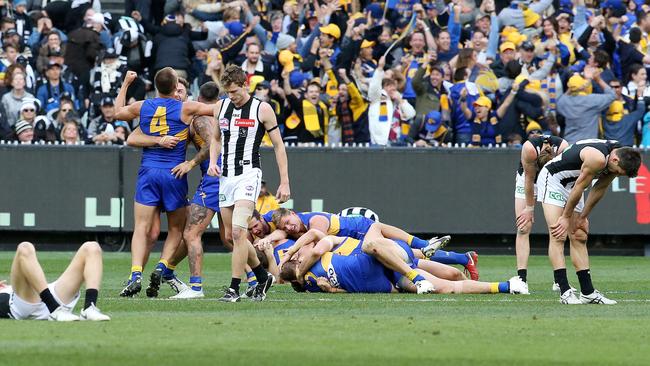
{"x": 394, "y": 73}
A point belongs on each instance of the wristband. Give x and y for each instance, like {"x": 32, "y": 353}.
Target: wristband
{"x": 192, "y": 163}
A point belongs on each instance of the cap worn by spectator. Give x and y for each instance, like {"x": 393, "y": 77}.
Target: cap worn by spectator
{"x": 52, "y": 64}
{"x": 433, "y": 120}
{"x": 533, "y": 127}
{"x": 516, "y": 38}
{"x": 18, "y": 3}
{"x": 507, "y": 46}
{"x": 615, "y": 111}
{"x": 254, "y": 81}
{"x": 315, "y": 81}
{"x": 483, "y": 102}
{"x": 332, "y": 30}
{"x": 110, "y": 53}
{"x": 296, "y": 78}
{"x": 124, "y": 125}
{"x": 10, "y": 32}
{"x": 579, "y": 85}
{"x": 366, "y": 43}
{"x": 22, "y": 126}
{"x": 528, "y": 46}
{"x": 107, "y": 101}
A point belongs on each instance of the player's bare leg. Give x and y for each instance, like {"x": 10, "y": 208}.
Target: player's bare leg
{"x": 556, "y": 255}
{"x": 27, "y": 277}
{"x": 522, "y": 242}
{"x": 441, "y": 270}
{"x": 152, "y": 237}
{"x": 514, "y": 285}
{"x": 175, "y": 225}
{"x": 144, "y": 217}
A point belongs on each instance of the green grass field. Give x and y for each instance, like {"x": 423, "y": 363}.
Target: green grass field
{"x": 344, "y": 329}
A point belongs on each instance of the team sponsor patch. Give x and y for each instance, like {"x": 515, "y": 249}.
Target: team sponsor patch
{"x": 224, "y": 122}
{"x": 244, "y": 122}
{"x": 249, "y": 188}
{"x": 520, "y": 189}
{"x": 222, "y": 197}
{"x": 556, "y": 196}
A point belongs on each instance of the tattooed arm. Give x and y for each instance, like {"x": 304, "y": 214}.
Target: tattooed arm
{"x": 202, "y": 126}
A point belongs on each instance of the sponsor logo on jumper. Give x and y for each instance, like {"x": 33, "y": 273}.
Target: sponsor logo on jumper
{"x": 244, "y": 122}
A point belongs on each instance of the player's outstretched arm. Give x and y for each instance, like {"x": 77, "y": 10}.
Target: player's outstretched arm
{"x": 271, "y": 125}
{"x": 122, "y": 111}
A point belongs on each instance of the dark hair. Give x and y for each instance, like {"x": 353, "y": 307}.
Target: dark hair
{"x": 166, "y": 80}
{"x": 460, "y": 74}
{"x": 635, "y": 35}
{"x": 288, "y": 270}
{"x": 256, "y": 214}
{"x": 297, "y": 287}
{"x": 601, "y": 58}
{"x": 209, "y": 92}
{"x": 233, "y": 74}
{"x": 545, "y": 156}
{"x": 634, "y": 69}
{"x": 629, "y": 160}
{"x": 512, "y": 69}
{"x": 185, "y": 83}
{"x": 556, "y": 27}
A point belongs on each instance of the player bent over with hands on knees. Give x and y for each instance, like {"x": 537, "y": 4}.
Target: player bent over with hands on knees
{"x": 561, "y": 185}
{"x": 31, "y": 297}
{"x": 535, "y": 153}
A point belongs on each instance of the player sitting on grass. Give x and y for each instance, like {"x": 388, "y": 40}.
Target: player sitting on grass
{"x": 297, "y": 224}
{"x": 366, "y": 273}
{"x": 31, "y": 297}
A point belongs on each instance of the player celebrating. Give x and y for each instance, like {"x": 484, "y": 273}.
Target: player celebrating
{"x": 561, "y": 184}
{"x": 31, "y": 297}
{"x": 242, "y": 122}
{"x": 157, "y": 188}
{"x": 535, "y": 153}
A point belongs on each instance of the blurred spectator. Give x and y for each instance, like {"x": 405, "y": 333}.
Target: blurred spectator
{"x": 623, "y": 115}
{"x": 387, "y": 112}
{"x": 638, "y": 79}
{"x": 12, "y": 58}
{"x": 172, "y": 46}
{"x": 581, "y": 109}
{"x": 430, "y": 94}
{"x": 53, "y": 47}
{"x": 50, "y": 129}
{"x": 107, "y": 117}
{"x": 12, "y": 101}
{"x": 485, "y": 121}
{"x": 70, "y": 133}
{"x": 253, "y": 65}
{"x": 310, "y": 117}
{"x": 24, "y": 132}
{"x": 23, "y": 21}
{"x": 83, "y": 47}
{"x": 430, "y": 130}
{"x": 29, "y": 110}
{"x": 107, "y": 77}
{"x": 266, "y": 201}
{"x": 350, "y": 110}
{"x": 54, "y": 88}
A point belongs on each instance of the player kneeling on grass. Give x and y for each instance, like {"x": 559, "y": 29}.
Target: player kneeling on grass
{"x": 31, "y": 297}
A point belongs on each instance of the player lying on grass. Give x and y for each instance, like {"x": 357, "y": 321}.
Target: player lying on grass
{"x": 296, "y": 224}
{"x": 31, "y": 297}
{"x": 347, "y": 246}
{"x": 376, "y": 273}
